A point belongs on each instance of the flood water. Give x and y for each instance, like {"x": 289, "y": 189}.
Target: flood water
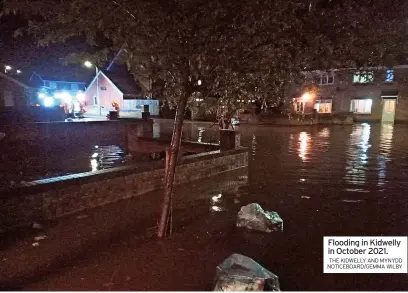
{"x": 323, "y": 181}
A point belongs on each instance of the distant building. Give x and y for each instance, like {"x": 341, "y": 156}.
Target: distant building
{"x": 373, "y": 94}
{"x": 53, "y": 88}
{"x": 14, "y": 93}
{"x": 120, "y": 87}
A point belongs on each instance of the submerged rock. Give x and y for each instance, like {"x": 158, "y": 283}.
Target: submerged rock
{"x": 241, "y": 273}
{"x": 253, "y": 217}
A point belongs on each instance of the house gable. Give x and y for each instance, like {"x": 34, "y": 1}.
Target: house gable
{"x": 109, "y": 81}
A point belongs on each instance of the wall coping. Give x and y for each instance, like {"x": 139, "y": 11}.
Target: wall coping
{"x": 185, "y": 142}
{"x": 44, "y": 185}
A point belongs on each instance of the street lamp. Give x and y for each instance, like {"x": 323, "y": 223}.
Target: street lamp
{"x": 306, "y": 97}
{"x": 89, "y": 65}
{"x": 7, "y": 68}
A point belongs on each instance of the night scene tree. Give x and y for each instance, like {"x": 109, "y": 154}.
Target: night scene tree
{"x": 223, "y": 51}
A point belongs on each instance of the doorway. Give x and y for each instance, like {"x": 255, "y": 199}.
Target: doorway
{"x": 388, "y": 112}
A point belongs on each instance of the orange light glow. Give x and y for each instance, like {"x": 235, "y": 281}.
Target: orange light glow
{"x": 306, "y": 97}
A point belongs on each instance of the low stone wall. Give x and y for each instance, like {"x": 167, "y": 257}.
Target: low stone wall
{"x": 56, "y": 197}
{"x": 308, "y": 119}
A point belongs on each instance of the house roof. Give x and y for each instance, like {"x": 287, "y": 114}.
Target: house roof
{"x": 14, "y": 80}
{"x": 125, "y": 83}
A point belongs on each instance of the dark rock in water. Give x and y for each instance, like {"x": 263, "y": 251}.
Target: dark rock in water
{"x": 241, "y": 273}
{"x": 253, "y": 217}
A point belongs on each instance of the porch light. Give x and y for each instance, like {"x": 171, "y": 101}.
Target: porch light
{"x": 88, "y": 64}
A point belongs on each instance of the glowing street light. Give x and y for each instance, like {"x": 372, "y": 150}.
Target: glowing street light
{"x": 88, "y": 64}
{"x": 18, "y": 71}
{"x": 7, "y": 68}
{"x": 306, "y": 97}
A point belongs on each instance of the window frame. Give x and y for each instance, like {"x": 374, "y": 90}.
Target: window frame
{"x": 358, "y": 102}
{"x": 388, "y": 73}
{"x": 323, "y": 78}
{"x": 324, "y": 102}
{"x": 359, "y": 73}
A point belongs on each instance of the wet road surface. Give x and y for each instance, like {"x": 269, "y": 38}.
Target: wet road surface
{"x": 323, "y": 181}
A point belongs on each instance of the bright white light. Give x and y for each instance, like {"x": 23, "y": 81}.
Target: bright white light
{"x": 48, "y": 102}
{"x": 306, "y": 97}
{"x": 18, "y": 71}
{"x": 66, "y": 97}
{"x": 41, "y": 95}
{"x": 95, "y": 155}
{"x": 199, "y": 82}
{"x": 8, "y": 67}
{"x": 88, "y": 64}
{"x": 368, "y": 105}
{"x": 94, "y": 165}
{"x": 80, "y": 96}
{"x": 199, "y": 100}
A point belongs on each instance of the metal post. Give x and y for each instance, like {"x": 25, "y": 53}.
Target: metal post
{"x": 97, "y": 91}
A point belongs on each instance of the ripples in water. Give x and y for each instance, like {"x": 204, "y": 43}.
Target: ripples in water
{"x": 106, "y": 157}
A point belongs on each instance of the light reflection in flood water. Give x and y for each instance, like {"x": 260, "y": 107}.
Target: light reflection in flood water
{"x": 385, "y": 146}
{"x": 253, "y": 145}
{"x": 357, "y": 158}
{"x": 200, "y": 134}
{"x": 304, "y": 145}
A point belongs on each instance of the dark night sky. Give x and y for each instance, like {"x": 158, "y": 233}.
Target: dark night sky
{"x": 23, "y": 53}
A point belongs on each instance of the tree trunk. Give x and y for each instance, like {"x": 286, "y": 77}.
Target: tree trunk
{"x": 171, "y": 163}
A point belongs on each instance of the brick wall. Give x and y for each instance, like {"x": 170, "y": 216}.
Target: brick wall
{"x": 56, "y": 197}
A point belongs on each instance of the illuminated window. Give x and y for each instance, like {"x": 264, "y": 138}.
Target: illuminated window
{"x": 323, "y": 106}
{"x": 361, "y": 106}
{"x": 389, "y": 77}
{"x": 299, "y": 106}
{"x": 363, "y": 77}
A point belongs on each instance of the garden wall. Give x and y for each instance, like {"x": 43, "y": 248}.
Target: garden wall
{"x": 56, "y": 197}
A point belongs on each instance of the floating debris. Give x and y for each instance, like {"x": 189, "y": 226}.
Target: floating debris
{"x": 38, "y": 238}
{"x": 253, "y": 217}
{"x": 241, "y": 273}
